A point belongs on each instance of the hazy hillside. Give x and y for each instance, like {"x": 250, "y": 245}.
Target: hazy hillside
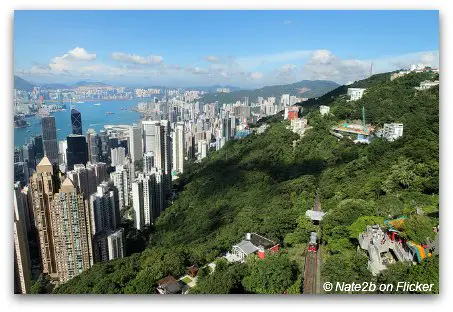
{"x": 305, "y": 88}
{"x": 55, "y": 86}
{"x": 22, "y": 84}
{"x": 85, "y": 83}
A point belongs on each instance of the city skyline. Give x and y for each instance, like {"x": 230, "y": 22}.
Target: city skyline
{"x": 248, "y": 49}
{"x": 151, "y": 185}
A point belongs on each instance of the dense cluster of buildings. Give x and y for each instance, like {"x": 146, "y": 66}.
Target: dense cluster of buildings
{"x": 415, "y": 68}
{"x": 71, "y": 192}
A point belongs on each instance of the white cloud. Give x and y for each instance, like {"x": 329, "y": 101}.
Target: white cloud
{"x": 212, "y": 59}
{"x": 284, "y": 74}
{"x": 66, "y": 62}
{"x": 137, "y": 59}
{"x": 251, "y": 71}
{"x": 76, "y": 54}
{"x": 324, "y": 65}
{"x": 389, "y": 63}
{"x": 256, "y": 75}
{"x": 274, "y": 58}
{"x": 287, "y": 68}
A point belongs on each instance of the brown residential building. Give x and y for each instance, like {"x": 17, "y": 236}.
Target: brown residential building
{"x": 42, "y": 184}
{"x": 72, "y": 232}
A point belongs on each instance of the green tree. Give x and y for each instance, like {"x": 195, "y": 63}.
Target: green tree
{"x": 272, "y": 275}
{"x": 361, "y": 223}
{"x": 418, "y": 228}
{"x": 42, "y": 286}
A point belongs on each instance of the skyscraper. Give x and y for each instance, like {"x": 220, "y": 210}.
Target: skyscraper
{"x": 148, "y": 162}
{"x": 156, "y": 137}
{"x": 178, "y": 148}
{"x": 149, "y": 135}
{"x": 104, "y": 143}
{"x": 22, "y": 268}
{"x": 118, "y": 156}
{"x": 100, "y": 171}
{"x": 105, "y": 217}
{"x": 77, "y": 151}
{"x": 84, "y": 179}
{"x": 76, "y": 121}
{"x": 104, "y": 211}
{"x": 121, "y": 180}
{"x": 148, "y": 197}
{"x": 94, "y": 146}
{"x": 43, "y": 184}
{"x": 29, "y": 155}
{"x": 203, "y": 147}
{"x": 166, "y": 150}
{"x": 72, "y": 232}
{"x": 21, "y": 173}
{"x": 135, "y": 143}
{"x": 38, "y": 148}
{"x": 138, "y": 203}
{"x": 62, "y": 147}
{"x": 49, "y": 136}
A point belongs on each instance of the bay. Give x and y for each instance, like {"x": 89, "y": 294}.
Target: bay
{"x": 93, "y": 117}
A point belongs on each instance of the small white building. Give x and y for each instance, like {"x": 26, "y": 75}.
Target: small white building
{"x": 424, "y": 85}
{"x": 392, "y": 131}
{"x": 115, "y": 244}
{"x": 298, "y": 126}
{"x": 324, "y": 110}
{"x": 356, "y": 93}
{"x": 253, "y": 243}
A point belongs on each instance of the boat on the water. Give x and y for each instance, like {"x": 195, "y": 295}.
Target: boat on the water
{"x": 109, "y": 113}
{"x": 97, "y": 104}
{"x": 80, "y": 102}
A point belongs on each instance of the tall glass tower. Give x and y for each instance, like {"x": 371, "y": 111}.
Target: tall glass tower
{"x": 76, "y": 121}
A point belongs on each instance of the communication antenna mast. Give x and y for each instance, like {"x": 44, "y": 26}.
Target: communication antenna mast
{"x": 371, "y": 69}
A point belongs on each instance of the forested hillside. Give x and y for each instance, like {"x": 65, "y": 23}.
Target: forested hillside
{"x": 264, "y": 184}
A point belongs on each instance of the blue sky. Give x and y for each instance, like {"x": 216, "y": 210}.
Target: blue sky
{"x": 242, "y": 48}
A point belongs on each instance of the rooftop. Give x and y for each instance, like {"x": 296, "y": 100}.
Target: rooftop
{"x": 314, "y": 215}
{"x": 247, "y": 247}
{"x": 259, "y": 240}
{"x": 169, "y": 285}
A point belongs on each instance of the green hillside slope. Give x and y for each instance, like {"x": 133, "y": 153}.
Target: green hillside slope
{"x": 263, "y": 184}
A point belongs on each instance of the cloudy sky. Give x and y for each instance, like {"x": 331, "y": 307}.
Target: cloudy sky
{"x": 199, "y": 48}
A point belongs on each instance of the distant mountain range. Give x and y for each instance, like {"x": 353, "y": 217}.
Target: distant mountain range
{"x": 304, "y": 88}
{"x": 22, "y": 84}
{"x": 86, "y": 83}
{"x": 213, "y": 88}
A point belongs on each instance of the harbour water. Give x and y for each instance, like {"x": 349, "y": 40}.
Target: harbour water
{"x": 93, "y": 116}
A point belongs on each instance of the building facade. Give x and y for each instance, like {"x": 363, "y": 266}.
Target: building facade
{"x": 49, "y": 137}
{"x": 43, "y": 187}
{"x": 72, "y": 232}
{"x": 22, "y": 266}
